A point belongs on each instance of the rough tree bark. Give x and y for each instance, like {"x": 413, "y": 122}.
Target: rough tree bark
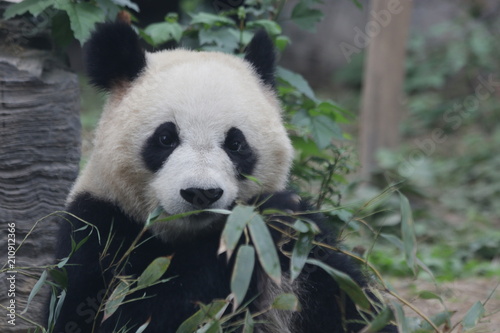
{"x": 382, "y": 108}
{"x": 39, "y": 158}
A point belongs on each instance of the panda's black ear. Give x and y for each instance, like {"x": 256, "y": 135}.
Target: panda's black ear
{"x": 113, "y": 55}
{"x": 260, "y": 53}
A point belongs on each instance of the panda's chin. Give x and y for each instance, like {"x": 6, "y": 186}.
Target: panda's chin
{"x": 185, "y": 228}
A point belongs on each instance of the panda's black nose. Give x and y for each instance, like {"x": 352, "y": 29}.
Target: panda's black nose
{"x": 201, "y": 198}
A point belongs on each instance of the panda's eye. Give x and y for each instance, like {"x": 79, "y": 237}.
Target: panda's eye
{"x": 167, "y": 141}
{"x": 234, "y": 146}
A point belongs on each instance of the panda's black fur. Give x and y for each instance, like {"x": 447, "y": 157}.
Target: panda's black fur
{"x": 198, "y": 273}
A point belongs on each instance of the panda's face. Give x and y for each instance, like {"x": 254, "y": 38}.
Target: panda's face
{"x": 184, "y": 136}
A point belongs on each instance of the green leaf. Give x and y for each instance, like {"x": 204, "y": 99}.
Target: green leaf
{"x": 306, "y": 17}
{"x": 53, "y": 315}
{"x": 206, "y": 313}
{"x": 36, "y": 288}
{"x": 61, "y": 29}
{"x": 242, "y": 273}
{"x": 401, "y": 319}
{"x": 438, "y": 320}
{"x": 358, "y": 4}
{"x": 211, "y": 20}
{"x": 472, "y": 317}
{"x": 60, "y": 277}
{"x": 324, "y": 130}
{"x": 428, "y": 295}
{"x": 382, "y": 196}
{"x": 408, "y": 234}
{"x": 34, "y": 7}
{"x": 345, "y": 282}
{"x": 212, "y": 327}
{"x": 143, "y": 327}
{"x": 81, "y": 243}
{"x": 266, "y": 249}
{"x": 224, "y": 40}
{"x": 163, "y": 32}
{"x": 288, "y": 302}
{"x": 110, "y": 9}
{"x": 282, "y": 42}
{"x": 399, "y": 244}
{"x": 235, "y": 225}
{"x": 116, "y": 299}
{"x": 154, "y": 215}
{"x": 380, "y": 321}
{"x": 153, "y": 272}
{"x": 249, "y": 324}
{"x": 126, "y": 3}
{"x": 82, "y": 16}
{"x": 307, "y": 148}
{"x": 300, "y": 253}
{"x": 297, "y": 81}
{"x": 271, "y": 27}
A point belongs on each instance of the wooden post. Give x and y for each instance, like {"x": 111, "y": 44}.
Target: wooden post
{"x": 39, "y": 160}
{"x": 382, "y": 110}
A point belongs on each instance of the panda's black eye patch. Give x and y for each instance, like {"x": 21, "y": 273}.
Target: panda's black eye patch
{"x": 240, "y": 152}
{"x": 160, "y": 145}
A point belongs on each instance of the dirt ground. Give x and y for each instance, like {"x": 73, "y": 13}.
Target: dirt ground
{"x": 458, "y": 296}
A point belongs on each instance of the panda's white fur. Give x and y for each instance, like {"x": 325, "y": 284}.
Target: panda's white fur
{"x": 204, "y": 94}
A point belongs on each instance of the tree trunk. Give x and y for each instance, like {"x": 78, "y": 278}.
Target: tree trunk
{"x": 382, "y": 108}
{"x": 39, "y": 159}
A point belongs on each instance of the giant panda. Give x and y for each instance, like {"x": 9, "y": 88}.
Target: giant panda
{"x": 184, "y": 130}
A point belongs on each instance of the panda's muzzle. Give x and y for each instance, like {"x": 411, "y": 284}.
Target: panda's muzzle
{"x": 201, "y": 198}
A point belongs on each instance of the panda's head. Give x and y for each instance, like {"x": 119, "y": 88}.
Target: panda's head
{"x": 183, "y": 129}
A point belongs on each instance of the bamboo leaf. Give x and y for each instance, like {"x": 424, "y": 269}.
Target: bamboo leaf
{"x": 382, "y": 196}
{"x": 401, "y": 319}
{"x": 36, "y": 288}
{"x": 265, "y": 247}
{"x": 206, "y": 313}
{"x": 211, "y": 327}
{"x": 408, "y": 234}
{"x": 345, "y": 282}
{"x": 143, "y": 327}
{"x": 249, "y": 324}
{"x": 472, "y": 317}
{"x": 300, "y": 253}
{"x": 116, "y": 299}
{"x": 438, "y": 320}
{"x": 153, "y": 272}
{"x": 380, "y": 321}
{"x": 234, "y": 227}
{"x": 242, "y": 273}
